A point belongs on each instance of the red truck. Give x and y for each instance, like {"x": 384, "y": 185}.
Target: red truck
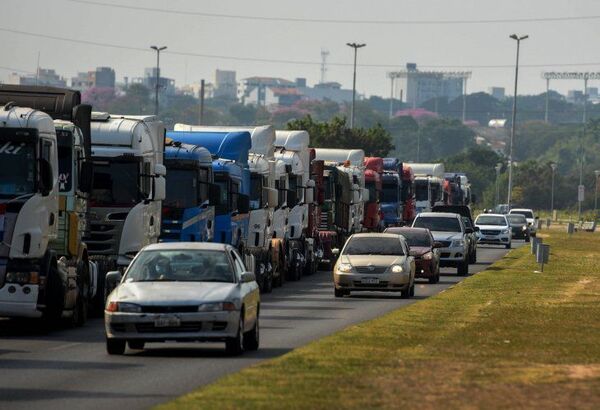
{"x": 408, "y": 194}
{"x": 373, "y": 182}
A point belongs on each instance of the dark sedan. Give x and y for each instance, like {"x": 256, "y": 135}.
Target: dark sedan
{"x": 424, "y": 249}
{"x": 519, "y": 226}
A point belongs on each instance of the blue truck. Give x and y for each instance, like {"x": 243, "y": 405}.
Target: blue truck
{"x": 391, "y": 199}
{"x": 188, "y": 211}
{"x": 229, "y": 151}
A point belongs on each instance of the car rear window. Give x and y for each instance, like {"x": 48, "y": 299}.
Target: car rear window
{"x": 516, "y": 219}
{"x": 413, "y": 237}
{"x": 437, "y": 223}
{"x": 526, "y": 214}
{"x": 491, "y": 220}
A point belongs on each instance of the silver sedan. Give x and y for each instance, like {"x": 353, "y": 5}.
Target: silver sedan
{"x": 183, "y": 292}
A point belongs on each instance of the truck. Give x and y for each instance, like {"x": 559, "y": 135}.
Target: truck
{"x": 127, "y": 192}
{"x": 302, "y": 245}
{"x": 391, "y": 203}
{"x": 373, "y": 220}
{"x": 188, "y": 210}
{"x": 45, "y": 178}
{"x": 453, "y": 190}
{"x": 428, "y": 185}
{"x": 408, "y": 194}
{"x": 263, "y": 202}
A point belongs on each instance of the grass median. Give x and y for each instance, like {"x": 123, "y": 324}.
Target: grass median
{"x": 507, "y": 337}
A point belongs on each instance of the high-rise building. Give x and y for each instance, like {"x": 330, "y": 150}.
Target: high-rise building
{"x": 101, "y": 77}
{"x": 225, "y": 84}
{"x": 165, "y": 85}
{"x": 45, "y": 76}
{"x": 421, "y": 86}
{"x": 497, "y": 92}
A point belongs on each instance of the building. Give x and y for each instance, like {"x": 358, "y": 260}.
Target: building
{"x": 259, "y": 90}
{"x": 575, "y": 96}
{"x": 225, "y": 85}
{"x": 421, "y": 86}
{"x": 497, "y": 92}
{"x": 101, "y": 77}
{"x": 47, "y": 77}
{"x": 194, "y": 90}
{"x": 166, "y": 85}
{"x": 326, "y": 91}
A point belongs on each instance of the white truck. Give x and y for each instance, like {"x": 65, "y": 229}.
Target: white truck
{"x": 263, "y": 202}
{"x": 128, "y": 188}
{"x": 44, "y": 180}
{"x": 292, "y": 147}
{"x": 429, "y": 181}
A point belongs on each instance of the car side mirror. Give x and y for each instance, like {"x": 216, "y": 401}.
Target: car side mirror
{"x": 46, "y": 177}
{"x": 86, "y": 175}
{"x": 437, "y": 245}
{"x": 469, "y": 230}
{"x": 335, "y": 251}
{"x": 247, "y": 277}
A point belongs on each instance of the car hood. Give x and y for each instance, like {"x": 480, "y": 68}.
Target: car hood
{"x": 173, "y": 293}
{"x": 376, "y": 260}
{"x": 419, "y": 250}
{"x": 492, "y": 227}
{"x": 518, "y": 225}
{"x": 446, "y": 236}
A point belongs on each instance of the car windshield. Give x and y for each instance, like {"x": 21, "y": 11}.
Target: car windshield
{"x": 182, "y": 188}
{"x": 414, "y": 238}
{"x": 373, "y": 246}
{"x": 491, "y": 220}
{"x": 526, "y": 214}
{"x": 389, "y": 193}
{"x": 181, "y": 266}
{"x": 438, "y": 223}
{"x": 17, "y": 173}
{"x": 116, "y": 183}
{"x": 516, "y": 219}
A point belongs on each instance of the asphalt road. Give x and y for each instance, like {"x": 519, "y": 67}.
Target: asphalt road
{"x": 69, "y": 368}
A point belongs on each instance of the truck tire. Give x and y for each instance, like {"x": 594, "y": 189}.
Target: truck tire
{"x": 79, "y": 311}
{"x": 55, "y": 296}
{"x": 473, "y": 258}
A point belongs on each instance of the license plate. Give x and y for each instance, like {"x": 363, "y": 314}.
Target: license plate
{"x": 370, "y": 281}
{"x": 490, "y": 237}
{"x": 167, "y": 322}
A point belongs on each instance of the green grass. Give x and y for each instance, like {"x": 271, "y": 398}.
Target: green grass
{"x": 505, "y": 338}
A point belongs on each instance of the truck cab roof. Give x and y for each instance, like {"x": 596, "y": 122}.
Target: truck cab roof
{"x": 227, "y": 145}
{"x": 356, "y": 157}
{"x": 292, "y": 140}
{"x": 175, "y": 150}
{"x": 24, "y": 117}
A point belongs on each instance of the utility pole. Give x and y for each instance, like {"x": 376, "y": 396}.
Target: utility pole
{"x": 597, "y": 174}
{"x": 355, "y": 46}
{"x": 547, "y": 99}
{"x": 498, "y": 169}
{"x": 158, "y": 50}
{"x": 553, "y": 166}
{"x": 514, "y": 118}
{"x": 464, "y": 101}
{"x": 201, "y": 102}
{"x": 392, "y": 76}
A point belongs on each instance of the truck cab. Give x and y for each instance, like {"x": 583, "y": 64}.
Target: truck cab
{"x": 188, "y": 211}
{"x": 392, "y": 205}
{"x": 408, "y": 194}
{"x": 373, "y": 220}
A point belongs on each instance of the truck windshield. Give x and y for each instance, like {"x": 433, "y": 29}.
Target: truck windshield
{"x": 389, "y": 193}
{"x": 255, "y": 191}
{"x": 182, "y": 188}
{"x": 116, "y": 183}
{"x": 406, "y": 191}
{"x": 373, "y": 197}
{"x": 439, "y": 224}
{"x": 293, "y": 188}
{"x": 222, "y": 181}
{"x": 421, "y": 190}
{"x": 17, "y": 173}
{"x": 436, "y": 193}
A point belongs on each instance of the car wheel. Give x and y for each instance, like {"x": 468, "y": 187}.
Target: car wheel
{"x": 462, "y": 269}
{"x": 136, "y": 344}
{"x": 405, "y": 294}
{"x": 338, "y": 293}
{"x": 252, "y": 338}
{"x": 115, "y": 346}
{"x": 235, "y": 345}
{"x": 508, "y": 245}
{"x": 527, "y": 239}
{"x": 412, "y": 290}
{"x": 474, "y": 256}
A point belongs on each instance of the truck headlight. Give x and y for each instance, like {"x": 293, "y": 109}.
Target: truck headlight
{"x": 344, "y": 268}
{"x": 428, "y": 256}
{"x": 457, "y": 243}
{"x": 22, "y": 278}
{"x": 397, "y": 269}
{"x": 125, "y": 307}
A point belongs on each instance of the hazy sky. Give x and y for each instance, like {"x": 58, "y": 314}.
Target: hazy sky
{"x": 451, "y": 46}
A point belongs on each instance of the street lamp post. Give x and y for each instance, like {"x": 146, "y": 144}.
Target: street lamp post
{"x": 158, "y": 50}
{"x": 597, "y": 174}
{"x": 553, "y": 166}
{"x": 514, "y": 118}
{"x": 355, "y": 46}
{"x": 498, "y": 169}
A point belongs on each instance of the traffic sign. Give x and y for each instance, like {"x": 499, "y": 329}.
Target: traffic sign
{"x": 580, "y": 193}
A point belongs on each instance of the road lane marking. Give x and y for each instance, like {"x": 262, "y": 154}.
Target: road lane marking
{"x": 65, "y": 346}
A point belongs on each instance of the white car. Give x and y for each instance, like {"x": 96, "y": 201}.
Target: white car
{"x": 530, "y": 216}
{"x": 183, "y": 292}
{"x": 494, "y": 229}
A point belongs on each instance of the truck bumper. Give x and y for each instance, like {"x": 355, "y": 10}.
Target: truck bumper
{"x": 19, "y": 300}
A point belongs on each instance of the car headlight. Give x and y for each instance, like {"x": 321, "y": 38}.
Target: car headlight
{"x": 397, "y": 269}
{"x": 457, "y": 243}
{"x": 125, "y": 307}
{"x": 344, "y": 268}
{"x": 22, "y": 278}
{"x": 428, "y": 256}
{"x": 505, "y": 231}
{"x": 524, "y": 227}
{"x": 217, "y": 307}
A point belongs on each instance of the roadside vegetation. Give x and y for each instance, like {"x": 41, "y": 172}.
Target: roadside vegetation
{"x": 501, "y": 338}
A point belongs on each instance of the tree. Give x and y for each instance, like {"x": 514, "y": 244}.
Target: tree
{"x": 444, "y": 137}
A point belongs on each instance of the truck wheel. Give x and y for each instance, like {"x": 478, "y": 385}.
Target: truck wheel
{"x": 79, "y": 311}
{"x": 412, "y": 290}
{"x": 508, "y": 245}
{"x": 55, "y": 296}
{"x": 474, "y": 256}
{"x": 115, "y": 346}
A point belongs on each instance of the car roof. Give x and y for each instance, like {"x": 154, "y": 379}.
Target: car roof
{"x": 393, "y": 229}
{"x": 375, "y": 235}
{"x": 521, "y": 209}
{"x": 438, "y": 214}
{"x": 502, "y": 215}
{"x": 187, "y": 246}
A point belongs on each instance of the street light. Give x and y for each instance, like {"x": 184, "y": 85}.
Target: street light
{"x": 355, "y": 46}
{"x": 553, "y": 166}
{"x": 158, "y": 50}
{"x": 514, "y": 118}
{"x": 597, "y": 174}
{"x": 498, "y": 169}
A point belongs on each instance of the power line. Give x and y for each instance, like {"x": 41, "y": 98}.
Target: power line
{"x": 16, "y": 70}
{"x": 333, "y": 21}
{"x": 278, "y": 61}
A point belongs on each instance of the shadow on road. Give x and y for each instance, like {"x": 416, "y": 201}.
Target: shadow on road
{"x": 30, "y": 394}
{"x": 266, "y": 305}
{"x": 62, "y": 365}
{"x": 204, "y": 352}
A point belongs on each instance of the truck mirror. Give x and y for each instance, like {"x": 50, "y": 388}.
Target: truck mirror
{"x": 159, "y": 189}
{"x": 214, "y": 195}
{"x": 309, "y": 195}
{"x": 243, "y": 205}
{"x": 310, "y": 183}
{"x": 355, "y": 197}
{"x": 46, "y": 177}
{"x": 86, "y": 175}
{"x": 160, "y": 170}
{"x": 365, "y": 195}
{"x": 270, "y": 197}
